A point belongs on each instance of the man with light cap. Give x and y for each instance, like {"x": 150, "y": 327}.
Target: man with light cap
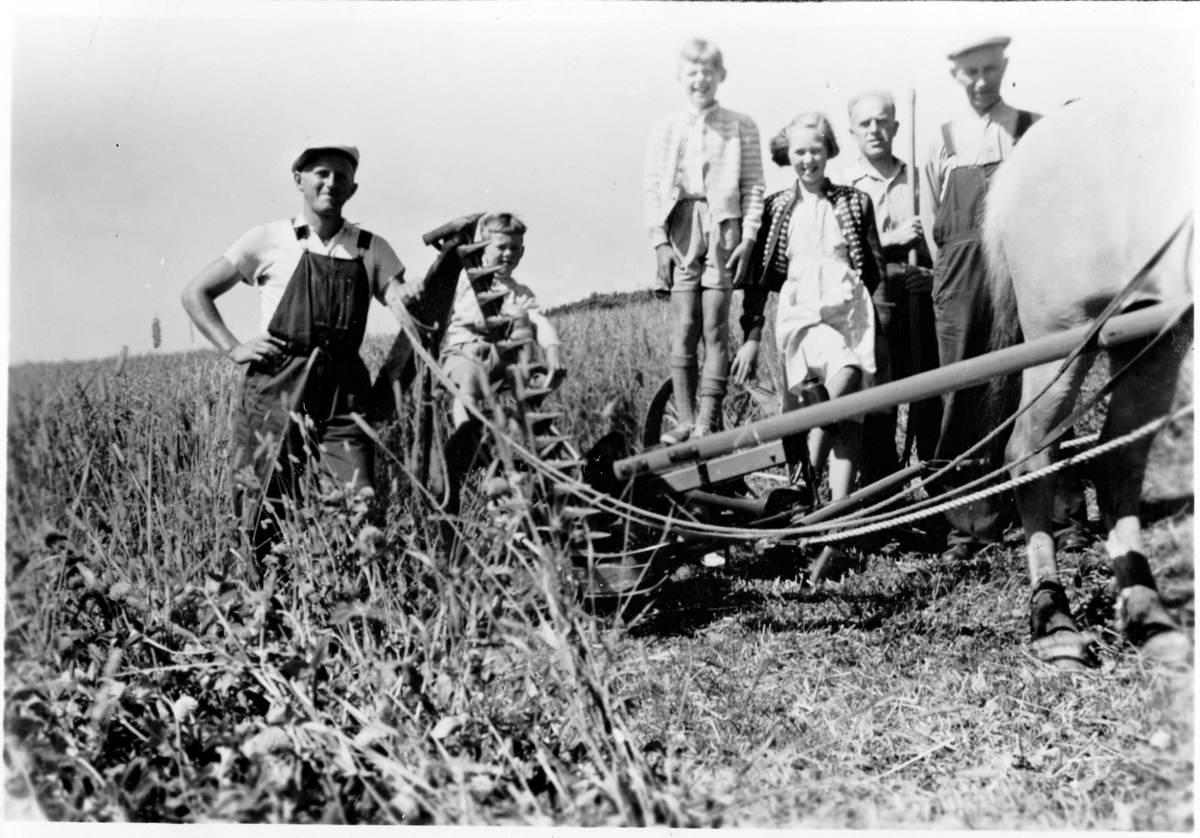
{"x": 964, "y": 156}
{"x": 905, "y": 340}
{"x": 316, "y": 274}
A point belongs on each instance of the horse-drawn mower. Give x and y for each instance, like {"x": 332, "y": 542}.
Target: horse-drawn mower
{"x": 628, "y": 518}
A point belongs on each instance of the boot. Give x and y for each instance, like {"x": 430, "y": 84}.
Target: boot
{"x": 684, "y": 375}
{"x": 712, "y": 397}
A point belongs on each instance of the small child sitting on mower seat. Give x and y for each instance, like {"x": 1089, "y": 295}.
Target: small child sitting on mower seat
{"x": 478, "y": 348}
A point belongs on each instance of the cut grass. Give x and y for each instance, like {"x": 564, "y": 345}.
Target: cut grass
{"x": 905, "y": 697}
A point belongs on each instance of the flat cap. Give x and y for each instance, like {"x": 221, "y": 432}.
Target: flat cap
{"x": 977, "y": 42}
{"x": 312, "y": 150}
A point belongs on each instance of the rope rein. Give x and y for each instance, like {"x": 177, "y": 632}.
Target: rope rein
{"x": 1149, "y": 428}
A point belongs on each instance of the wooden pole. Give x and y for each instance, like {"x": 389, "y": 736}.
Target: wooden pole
{"x": 910, "y": 160}
{"x": 916, "y": 322}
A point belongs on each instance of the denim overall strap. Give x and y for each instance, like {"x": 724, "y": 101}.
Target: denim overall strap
{"x": 326, "y": 301}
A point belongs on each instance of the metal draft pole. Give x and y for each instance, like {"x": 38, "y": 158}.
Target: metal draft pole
{"x": 1118, "y": 329}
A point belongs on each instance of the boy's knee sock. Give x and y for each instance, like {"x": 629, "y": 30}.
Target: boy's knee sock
{"x": 712, "y": 396}
{"x": 684, "y": 376}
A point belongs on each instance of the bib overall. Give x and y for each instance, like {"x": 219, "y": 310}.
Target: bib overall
{"x": 321, "y": 318}
{"x": 963, "y": 320}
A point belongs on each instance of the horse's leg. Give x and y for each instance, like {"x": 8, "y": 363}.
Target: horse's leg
{"x": 1142, "y": 395}
{"x": 1056, "y": 638}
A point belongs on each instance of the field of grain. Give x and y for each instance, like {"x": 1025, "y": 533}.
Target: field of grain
{"x": 369, "y": 679}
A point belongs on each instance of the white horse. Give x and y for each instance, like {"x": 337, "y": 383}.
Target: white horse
{"x": 1084, "y": 203}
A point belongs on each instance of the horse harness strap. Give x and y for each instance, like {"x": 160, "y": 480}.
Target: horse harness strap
{"x": 1089, "y": 340}
{"x": 1134, "y": 285}
{"x": 1068, "y": 423}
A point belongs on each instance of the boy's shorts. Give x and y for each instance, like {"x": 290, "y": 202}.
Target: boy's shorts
{"x": 463, "y": 360}
{"x": 701, "y": 247}
{"x": 465, "y": 363}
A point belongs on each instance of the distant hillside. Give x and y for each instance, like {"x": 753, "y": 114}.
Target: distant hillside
{"x": 598, "y": 301}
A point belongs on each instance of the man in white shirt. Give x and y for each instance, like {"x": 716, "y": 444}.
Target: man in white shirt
{"x": 316, "y": 274}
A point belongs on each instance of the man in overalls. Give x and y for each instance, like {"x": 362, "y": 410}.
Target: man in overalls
{"x": 962, "y": 161}
{"x": 316, "y": 274}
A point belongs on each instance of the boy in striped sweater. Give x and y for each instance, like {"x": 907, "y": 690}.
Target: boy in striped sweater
{"x": 703, "y": 189}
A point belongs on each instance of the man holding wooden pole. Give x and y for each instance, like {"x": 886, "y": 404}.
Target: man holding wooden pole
{"x": 905, "y": 340}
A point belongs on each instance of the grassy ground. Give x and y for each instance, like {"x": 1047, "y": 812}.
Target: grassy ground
{"x": 374, "y": 677}
{"x": 905, "y": 697}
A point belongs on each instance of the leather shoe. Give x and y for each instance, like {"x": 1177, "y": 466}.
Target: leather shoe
{"x": 957, "y": 553}
{"x": 1074, "y": 539}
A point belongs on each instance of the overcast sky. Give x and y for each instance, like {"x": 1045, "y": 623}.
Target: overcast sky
{"x": 146, "y": 138}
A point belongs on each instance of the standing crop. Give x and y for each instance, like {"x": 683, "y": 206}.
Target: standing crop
{"x": 372, "y": 676}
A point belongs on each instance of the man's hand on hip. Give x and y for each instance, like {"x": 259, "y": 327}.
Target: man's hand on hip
{"x": 258, "y": 348}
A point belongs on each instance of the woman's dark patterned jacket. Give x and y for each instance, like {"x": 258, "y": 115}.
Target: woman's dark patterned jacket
{"x": 769, "y": 265}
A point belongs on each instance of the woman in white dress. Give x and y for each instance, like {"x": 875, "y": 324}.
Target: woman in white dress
{"x": 820, "y": 252}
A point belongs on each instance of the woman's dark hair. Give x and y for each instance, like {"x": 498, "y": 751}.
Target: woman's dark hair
{"x": 814, "y": 120}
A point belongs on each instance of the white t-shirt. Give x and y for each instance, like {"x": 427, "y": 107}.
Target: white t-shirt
{"x": 466, "y": 318}
{"x": 267, "y": 256}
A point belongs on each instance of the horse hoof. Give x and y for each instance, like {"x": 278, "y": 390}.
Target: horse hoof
{"x": 1170, "y": 648}
{"x": 1143, "y": 618}
{"x": 1067, "y": 650}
